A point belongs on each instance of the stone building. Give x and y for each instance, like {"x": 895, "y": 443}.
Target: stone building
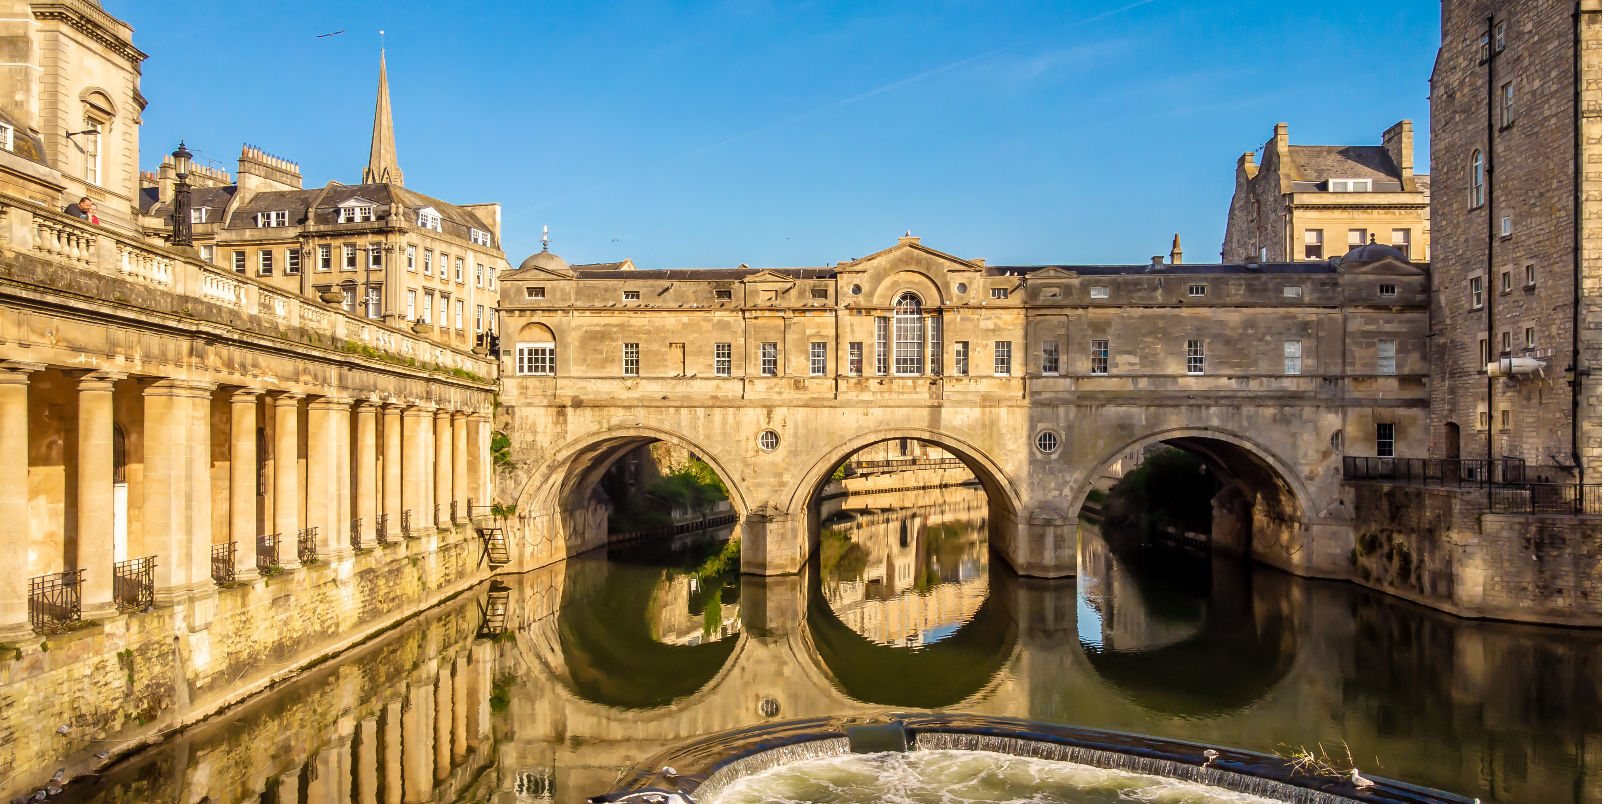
{"x": 1036, "y": 377}
{"x": 1315, "y": 202}
{"x": 378, "y": 248}
{"x": 70, "y": 99}
{"x": 1515, "y": 356}
{"x": 208, "y": 479}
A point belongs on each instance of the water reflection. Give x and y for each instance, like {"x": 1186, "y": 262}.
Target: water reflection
{"x": 609, "y": 658}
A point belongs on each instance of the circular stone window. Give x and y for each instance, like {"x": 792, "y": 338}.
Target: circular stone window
{"x": 768, "y": 440}
{"x": 856, "y": 290}
{"x": 769, "y": 707}
{"x": 962, "y": 288}
{"x": 1047, "y": 442}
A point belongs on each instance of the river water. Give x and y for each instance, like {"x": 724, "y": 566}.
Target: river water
{"x": 547, "y": 686}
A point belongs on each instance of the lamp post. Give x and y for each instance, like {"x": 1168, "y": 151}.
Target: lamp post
{"x": 182, "y": 235}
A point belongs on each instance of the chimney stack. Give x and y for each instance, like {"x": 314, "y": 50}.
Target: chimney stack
{"x": 1175, "y": 251}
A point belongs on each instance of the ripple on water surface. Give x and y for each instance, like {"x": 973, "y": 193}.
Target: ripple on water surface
{"x": 955, "y": 777}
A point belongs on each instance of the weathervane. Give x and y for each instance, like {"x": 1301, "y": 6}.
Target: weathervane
{"x": 545, "y": 237}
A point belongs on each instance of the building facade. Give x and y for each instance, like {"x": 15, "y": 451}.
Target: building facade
{"x": 379, "y": 249}
{"x": 1516, "y": 288}
{"x": 209, "y": 479}
{"x": 1316, "y": 202}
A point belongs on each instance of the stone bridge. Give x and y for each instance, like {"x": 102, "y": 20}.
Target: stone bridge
{"x": 1038, "y": 378}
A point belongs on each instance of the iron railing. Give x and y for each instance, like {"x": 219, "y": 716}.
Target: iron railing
{"x": 1455, "y": 472}
{"x": 406, "y": 523}
{"x": 55, "y": 601}
{"x": 453, "y": 511}
{"x": 437, "y": 515}
{"x": 906, "y": 463}
{"x": 381, "y": 528}
{"x": 133, "y": 583}
{"x": 223, "y": 563}
{"x": 1545, "y": 498}
{"x": 356, "y": 533}
{"x": 267, "y": 551}
{"x": 306, "y": 545}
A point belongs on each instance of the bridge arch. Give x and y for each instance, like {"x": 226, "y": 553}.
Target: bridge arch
{"x": 1256, "y": 470}
{"x": 1002, "y": 494}
{"x": 554, "y": 507}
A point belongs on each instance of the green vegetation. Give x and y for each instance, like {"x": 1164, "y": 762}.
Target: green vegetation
{"x": 694, "y": 485}
{"x": 501, "y": 692}
{"x": 500, "y": 511}
{"x": 352, "y": 347}
{"x": 501, "y": 450}
{"x": 840, "y": 558}
{"x": 840, "y": 472}
{"x": 1096, "y": 496}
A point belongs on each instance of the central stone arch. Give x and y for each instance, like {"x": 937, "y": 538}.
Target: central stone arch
{"x": 1004, "y": 498}
{"x": 555, "y": 518}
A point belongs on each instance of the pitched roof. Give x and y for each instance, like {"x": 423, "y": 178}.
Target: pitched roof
{"x": 1321, "y": 162}
{"x": 299, "y": 202}
{"x": 215, "y": 198}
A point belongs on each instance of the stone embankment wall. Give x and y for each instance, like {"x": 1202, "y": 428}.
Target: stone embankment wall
{"x": 1438, "y": 547}
{"x": 884, "y": 487}
{"x": 133, "y": 679}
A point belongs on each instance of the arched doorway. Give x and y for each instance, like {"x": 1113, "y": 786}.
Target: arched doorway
{"x": 1450, "y": 441}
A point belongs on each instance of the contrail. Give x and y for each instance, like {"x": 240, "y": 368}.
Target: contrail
{"x": 913, "y": 79}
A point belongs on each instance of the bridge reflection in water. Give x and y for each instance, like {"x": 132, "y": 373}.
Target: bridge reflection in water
{"x": 607, "y": 659}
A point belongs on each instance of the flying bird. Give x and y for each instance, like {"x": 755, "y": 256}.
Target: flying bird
{"x": 336, "y": 33}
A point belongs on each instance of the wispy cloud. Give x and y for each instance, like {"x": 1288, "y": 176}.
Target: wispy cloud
{"x": 1041, "y": 64}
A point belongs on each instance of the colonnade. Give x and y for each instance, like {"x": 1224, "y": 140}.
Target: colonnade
{"x": 418, "y": 737}
{"x": 203, "y": 472}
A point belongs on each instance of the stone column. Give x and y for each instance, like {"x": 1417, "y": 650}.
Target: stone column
{"x": 339, "y": 541}
{"x": 14, "y": 500}
{"x": 442, "y": 723}
{"x": 393, "y": 462}
{"x": 176, "y": 510}
{"x": 414, "y": 422}
{"x": 415, "y": 746}
{"x": 392, "y": 752}
{"x": 459, "y": 709}
{"x": 424, "y": 518}
{"x": 367, "y": 466}
{"x": 95, "y": 525}
{"x": 478, "y": 456}
{"x": 289, "y": 786}
{"x": 459, "y": 463}
{"x": 320, "y": 458}
{"x": 287, "y": 475}
{"x": 367, "y": 761}
{"x": 242, "y": 483}
{"x": 442, "y": 465}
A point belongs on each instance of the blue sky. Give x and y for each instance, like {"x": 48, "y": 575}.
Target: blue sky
{"x": 686, "y": 135}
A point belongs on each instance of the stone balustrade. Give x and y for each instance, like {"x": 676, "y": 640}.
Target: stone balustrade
{"x": 65, "y": 240}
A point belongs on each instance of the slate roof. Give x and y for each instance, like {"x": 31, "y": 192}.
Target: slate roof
{"x": 702, "y": 274}
{"x": 1321, "y": 162}
{"x": 213, "y": 198}
{"x": 737, "y": 274}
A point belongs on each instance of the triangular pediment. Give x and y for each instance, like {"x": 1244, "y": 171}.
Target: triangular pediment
{"x": 536, "y": 272}
{"x": 357, "y": 201}
{"x": 769, "y": 276}
{"x": 948, "y": 261}
{"x": 1054, "y": 272}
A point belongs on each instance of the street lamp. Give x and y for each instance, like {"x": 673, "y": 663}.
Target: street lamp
{"x": 181, "y": 227}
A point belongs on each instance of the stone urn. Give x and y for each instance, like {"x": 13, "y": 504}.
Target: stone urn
{"x": 331, "y": 297}
{"x": 421, "y": 329}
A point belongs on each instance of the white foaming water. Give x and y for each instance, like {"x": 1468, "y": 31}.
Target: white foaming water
{"x": 959, "y": 777}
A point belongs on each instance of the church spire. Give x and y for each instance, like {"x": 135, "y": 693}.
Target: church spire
{"x": 382, "y": 167}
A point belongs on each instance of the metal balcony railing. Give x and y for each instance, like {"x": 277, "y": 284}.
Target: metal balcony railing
{"x": 55, "y": 601}
{"x": 306, "y": 545}
{"x": 453, "y": 511}
{"x": 267, "y": 551}
{"x": 356, "y": 533}
{"x": 406, "y": 523}
{"x": 133, "y": 583}
{"x": 1455, "y": 472}
{"x": 381, "y": 528}
{"x": 1544, "y": 498}
{"x": 223, "y": 563}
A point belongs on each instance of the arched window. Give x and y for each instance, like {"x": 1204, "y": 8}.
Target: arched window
{"x": 1477, "y": 189}
{"x": 536, "y": 350}
{"x": 909, "y": 329}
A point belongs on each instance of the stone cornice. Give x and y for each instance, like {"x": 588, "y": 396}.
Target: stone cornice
{"x": 92, "y": 23}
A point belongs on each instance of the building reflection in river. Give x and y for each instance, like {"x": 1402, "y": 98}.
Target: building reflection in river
{"x": 588, "y": 672}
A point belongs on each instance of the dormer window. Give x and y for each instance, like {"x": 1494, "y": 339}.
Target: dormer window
{"x": 7, "y": 137}
{"x": 198, "y": 215}
{"x": 1348, "y": 185}
{"x": 428, "y": 219}
{"x": 279, "y": 217}
{"x": 481, "y": 238}
{"x": 357, "y": 210}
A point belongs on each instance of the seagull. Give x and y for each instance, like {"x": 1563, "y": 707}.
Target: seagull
{"x": 1359, "y": 782}
{"x": 1210, "y": 755}
{"x": 336, "y": 33}
{"x": 667, "y": 771}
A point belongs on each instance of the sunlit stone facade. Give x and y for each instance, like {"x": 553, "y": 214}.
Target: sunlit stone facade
{"x": 207, "y": 479}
